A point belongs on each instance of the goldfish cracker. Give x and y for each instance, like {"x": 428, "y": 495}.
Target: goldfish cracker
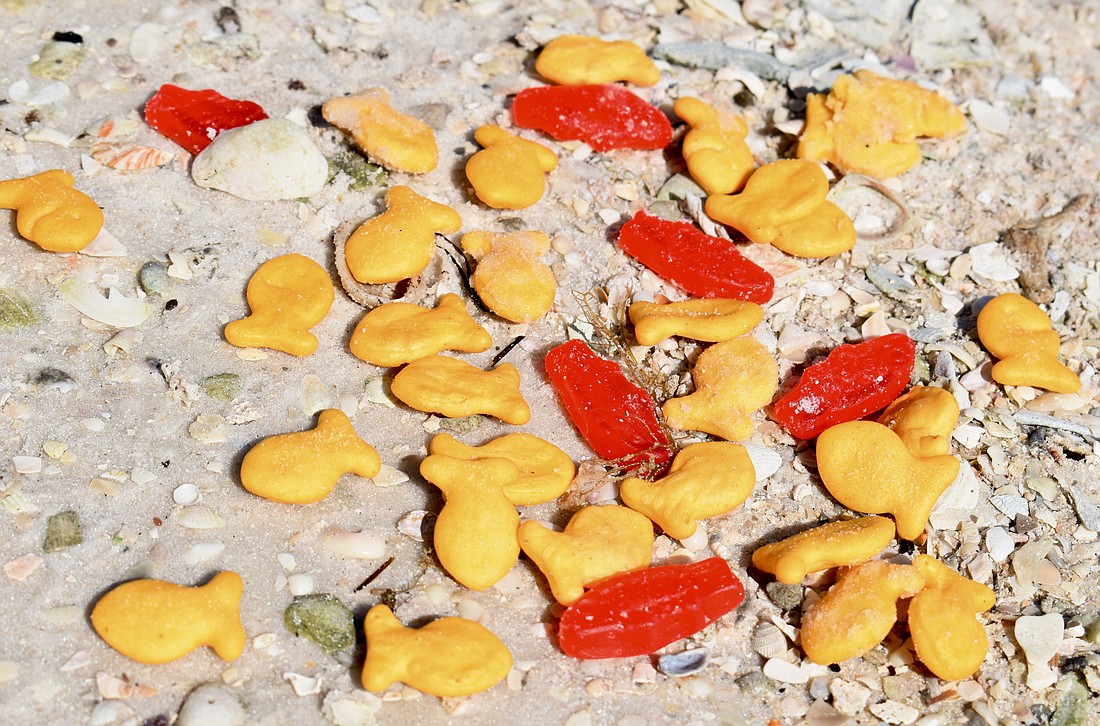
{"x": 715, "y": 149}
{"x": 599, "y": 542}
{"x": 707, "y": 479}
{"x": 1017, "y": 331}
{"x": 394, "y": 140}
{"x": 732, "y": 379}
{"x": 784, "y": 205}
{"x": 50, "y": 213}
{"x": 510, "y": 172}
{"x": 287, "y": 296}
{"x": 577, "y": 60}
{"x": 923, "y": 417}
{"x": 475, "y": 534}
{"x": 154, "y": 622}
{"x": 868, "y": 468}
{"x": 397, "y": 332}
{"x": 447, "y": 657}
{"x": 303, "y": 467}
{"x": 545, "y": 471}
{"x": 710, "y": 320}
{"x": 400, "y": 242}
{"x": 836, "y": 544}
{"x": 510, "y": 278}
{"x": 454, "y": 388}
{"x": 949, "y": 640}
{"x": 858, "y": 611}
{"x": 869, "y": 124}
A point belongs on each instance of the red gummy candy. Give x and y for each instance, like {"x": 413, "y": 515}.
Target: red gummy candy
{"x": 642, "y": 611}
{"x": 604, "y": 117}
{"x": 193, "y": 118}
{"x": 617, "y": 418}
{"x": 701, "y": 265}
{"x": 854, "y": 380}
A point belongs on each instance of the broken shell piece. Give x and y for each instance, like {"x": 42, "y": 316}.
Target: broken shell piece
{"x": 365, "y": 545}
{"x": 211, "y": 703}
{"x": 412, "y": 524}
{"x": 1040, "y": 636}
{"x": 115, "y": 310}
{"x": 683, "y": 664}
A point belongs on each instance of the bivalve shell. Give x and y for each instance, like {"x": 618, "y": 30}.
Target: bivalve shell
{"x": 764, "y": 460}
{"x": 682, "y": 664}
{"x": 768, "y": 640}
{"x": 364, "y": 545}
{"x": 211, "y": 705}
{"x": 199, "y": 517}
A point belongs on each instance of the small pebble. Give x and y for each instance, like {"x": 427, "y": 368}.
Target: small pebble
{"x": 266, "y": 160}
{"x": 894, "y": 712}
{"x": 323, "y": 619}
{"x": 63, "y": 531}
{"x": 186, "y": 495}
{"x": 849, "y": 697}
{"x": 212, "y": 704}
{"x": 682, "y": 664}
{"x": 300, "y": 584}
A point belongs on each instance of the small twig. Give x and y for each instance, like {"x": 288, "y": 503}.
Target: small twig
{"x": 374, "y": 575}
{"x": 463, "y": 273}
{"x": 507, "y": 349}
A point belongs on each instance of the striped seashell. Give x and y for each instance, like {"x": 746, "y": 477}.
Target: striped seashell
{"x": 768, "y": 640}
{"x": 130, "y": 157}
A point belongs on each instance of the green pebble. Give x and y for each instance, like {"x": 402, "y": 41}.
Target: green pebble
{"x": 785, "y": 597}
{"x": 362, "y": 173}
{"x": 322, "y": 618}
{"x": 154, "y": 279}
{"x": 62, "y": 531}
{"x": 463, "y": 425}
{"x": 679, "y": 187}
{"x": 57, "y": 60}
{"x": 16, "y": 311}
{"x": 222, "y": 387}
{"x": 1073, "y": 702}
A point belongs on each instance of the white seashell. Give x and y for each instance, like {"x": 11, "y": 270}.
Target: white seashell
{"x": 300, "y": 584}
{"x": 764, "y": 460}
{"x": 22, "y": 567}
{"x": 123, "y": 342}
{"x": 186, "y": 495}
{"x": 303, "y": 685}
{"x": 794, "y": 342}
{"x": 411, "y": 525}
{"x": 53, "y": 92}
{"x": 113, "y": 687}
{"x": 389, "y": 476}
{"x": 204, "y": 552}
{"x": 785, "y": 672}
{"x": 76, "y": 661}
{"x": 115, "y": 310}
{"x": 820, "y": 288}
{"x": 108, "y": 713}
{"x": 315, "y": 395}
{"x": 875, "y": 326}
{"x": 991, "y": 262}
{"x": 211, "y": 705}
{"x": 698, "y": 539}
{"x": 199, "y": 517}
{"x": 471, "y": 610}
{"x": 375, "y": 392}
{"x": 364, "y": 545}
{"x": 606, "y": 493}
{"x": 27, "y": 464}
{"x": 768, "y": 640}
{"x": 105, "y": 244}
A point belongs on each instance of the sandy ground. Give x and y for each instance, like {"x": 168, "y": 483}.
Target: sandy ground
{"x": 125, "y": 414}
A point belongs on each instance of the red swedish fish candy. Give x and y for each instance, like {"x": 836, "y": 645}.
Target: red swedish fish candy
{"x": 642, "y": 611}
{"x": 617, "y": 418}
{"x": 604, "y": 117}
{"x": 854, "y": 380}
{"x": 193, "y": 118}
{"x": 701, "y": 265}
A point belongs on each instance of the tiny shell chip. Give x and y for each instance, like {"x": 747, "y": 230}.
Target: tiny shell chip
{"x": 447, "y": 657}
{"x": 153, "y": 622}
{"x": 212, "y": 704}
{"x": 267, "y": 160}
{"x": 686, "y": 663}
{"x": 393, "y": 139}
